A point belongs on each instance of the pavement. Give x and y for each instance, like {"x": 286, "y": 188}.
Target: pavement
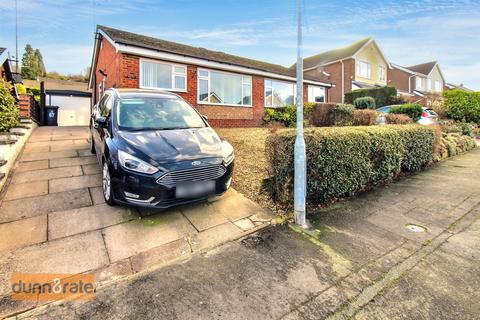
{"x": 53, "y": 219}
{"x": 366, "y": 260}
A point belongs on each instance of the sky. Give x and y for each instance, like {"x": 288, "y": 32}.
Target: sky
{"x": 408, "y": 32}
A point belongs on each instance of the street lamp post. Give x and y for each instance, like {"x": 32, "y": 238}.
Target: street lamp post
{"x": 300, "y": 181}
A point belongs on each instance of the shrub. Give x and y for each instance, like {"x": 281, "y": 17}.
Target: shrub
{"x": 452, "y": 144}
{"x": 383, "y": 96}
{"x": 341, "y": 115}
{"x": 9, "y": 112}
{"x": 35, "y": 91}
{"x": 319, "y": 117}
{"x": 414, "y": 111}
{"x": 343, "y": 161}
{"x": 462, "y": 105}
{"x": 397, "y": 118}
{"x": 364, "y": 117}
{"x": 287, "y": 115}
{"x": 21, "y": 88}
{"x": 364, "y": 103}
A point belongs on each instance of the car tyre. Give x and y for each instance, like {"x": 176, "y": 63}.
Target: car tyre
{"x": 107, "y": 185}
{"x": 92, "y": 145}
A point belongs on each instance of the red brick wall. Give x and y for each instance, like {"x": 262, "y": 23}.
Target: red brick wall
{"x": 400, "y": 79}
{"x": 126, "y": 75}
{"x": 25, "y": 103}
{"x": 108, "y": 61}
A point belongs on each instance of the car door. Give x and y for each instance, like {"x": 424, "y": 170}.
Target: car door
{"x": 100, "y": 134}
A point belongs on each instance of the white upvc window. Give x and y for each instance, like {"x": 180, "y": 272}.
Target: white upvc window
{"x": 438, "y": 86}
{"x": 429, "y": 84}
{"x": 382, "y": 74}
{"x": 364, "y": 69}
{"x": 418, "y": 83}
{"x": 279, "y": 94}
{"x": 163, "y": 75}
{"x": 224, "y": 88}
{"x": 316, "y": 94}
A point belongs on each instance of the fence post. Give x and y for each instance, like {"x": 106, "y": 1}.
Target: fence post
{"x": 42, "y": 102}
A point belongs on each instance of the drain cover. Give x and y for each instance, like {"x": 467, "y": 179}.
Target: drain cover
{"x": 415, "y": 228}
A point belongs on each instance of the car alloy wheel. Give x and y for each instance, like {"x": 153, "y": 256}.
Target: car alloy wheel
{"x": 107, "y": 184}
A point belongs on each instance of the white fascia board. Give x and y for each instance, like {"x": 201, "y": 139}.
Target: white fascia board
{"x": 3, "y": 56}
{"x": 439, "y": 70}
{"x": 378, "y": 48}
{"x": 143, "y": 52}
{"x": 96, "y": 49}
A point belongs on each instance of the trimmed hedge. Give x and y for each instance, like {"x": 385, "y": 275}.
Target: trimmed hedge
{"x": 344, "y": 161}
{"x": 452, "y": 144}
{"x": 397, "y": 118}
{"x": 462, "y": 105}
{"x": 365, "y": 117}
{"x": 287, "y": 115}
{"x": 384, "y": 96}
{"x": 364, "y": 103}
{"x": 414, "y": 111}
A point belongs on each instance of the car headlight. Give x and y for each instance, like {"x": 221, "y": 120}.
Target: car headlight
{"x": 227, "y": 151}
{"x": 132, "y": 163}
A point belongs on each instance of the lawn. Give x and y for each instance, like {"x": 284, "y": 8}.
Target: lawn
{"x": 250, "y": 162}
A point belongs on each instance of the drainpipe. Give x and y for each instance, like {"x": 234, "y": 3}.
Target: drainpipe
{"x": 410, "y": 83}
{"x": 343, "y": 81}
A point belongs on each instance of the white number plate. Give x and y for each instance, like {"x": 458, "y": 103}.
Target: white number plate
{"x": 195, "y": 189}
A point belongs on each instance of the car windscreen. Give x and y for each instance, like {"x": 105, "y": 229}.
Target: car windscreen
{"x": 156, "y": 113}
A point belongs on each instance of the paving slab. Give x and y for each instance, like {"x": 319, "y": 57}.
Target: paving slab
{"x": 97, "y": 195}
{"x": 48, "y": 155}
{"x": 160, "y": 255}
{"x": 113, "y": 271}
{"x": 46, "y": 174}
{"x": 25, "y": 190}
{"x": 74, "y": 146}
{"x": 236, "y": 207}
{"x": 91, "y": 168}
{"x": 245, "y": 224}
{"x": 74, "y": 221}
{"x": 84, "y": 152}
{"x": 80, "y": 182}
{"x": 21, "y": 233}
{"x": 67, "y": 162}
{"x": 76, "y": 254}
{"x": 33, "y": 148}
{"x": 31, "y": 166}
{"x": 34, "y": 206}
{"x": 203, "y": 216}
{"x": 128, "y": 239}
{"x": 215, "y": 236}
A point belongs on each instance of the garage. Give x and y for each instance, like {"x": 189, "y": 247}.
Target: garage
{"x": 74, "y": 106}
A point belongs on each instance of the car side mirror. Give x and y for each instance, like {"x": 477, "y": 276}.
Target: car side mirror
{"x": 205, "y": 117}
{"x": 101, "y": 122}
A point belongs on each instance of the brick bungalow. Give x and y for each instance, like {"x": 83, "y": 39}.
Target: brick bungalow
{"x": 231, "y": 91}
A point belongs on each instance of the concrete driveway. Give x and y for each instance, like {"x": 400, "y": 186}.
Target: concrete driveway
{"x": 53, "y": 219}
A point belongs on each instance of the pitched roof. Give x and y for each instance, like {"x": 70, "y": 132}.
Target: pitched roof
{"x": 334, "y": 55}
{"x": 2, "y": 50}
{"x": 133, "y": 39}
{"x": 424, "y": 68}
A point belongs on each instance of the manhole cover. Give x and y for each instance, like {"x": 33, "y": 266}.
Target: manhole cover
{"x": 415, "y": 228}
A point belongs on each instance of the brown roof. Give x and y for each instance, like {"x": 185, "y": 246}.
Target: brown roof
{"x": 333, "y": 55}
{"x": 424, "y": 68}
{"x": 129, "y": 38}
{"x": 56, "y": 84}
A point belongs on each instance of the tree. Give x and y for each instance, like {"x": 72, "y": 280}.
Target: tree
{"x": 28, "y": 63}
{"x": 42, "y": 72}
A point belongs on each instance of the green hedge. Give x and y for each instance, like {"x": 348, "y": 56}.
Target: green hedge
{"x": 9, "y": 112}
{"x": 343, "y": 161}
{"x": 414, "y": 111}
{"x": 364, "y": 103}
{"x": 287, "y": 115}
{"x": 462, "y": 105}
{"x": 384, "y": 96}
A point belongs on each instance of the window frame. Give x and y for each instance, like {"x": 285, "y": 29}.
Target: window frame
{"x": 312, "y": 87}
{"x": 417, "y": 81}
{"x": 276, "y": 80}
{"x": 382, "y": 71}
{"x": 173, "y": 74}
{"x": 369, "y": 69}
{"x": 440, "y": 86}
{"x": 208, "y": 79}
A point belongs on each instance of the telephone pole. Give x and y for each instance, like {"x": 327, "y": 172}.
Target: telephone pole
{"x": 16, "y": 36}
{"x": 300, "y": 181}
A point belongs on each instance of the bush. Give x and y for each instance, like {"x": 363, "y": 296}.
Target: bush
{"x": 397, "y": 118}
{"x": 364, "y": 103}
{"x": 452, "y": 144}
{"x": 287, "y": 115}
{"x": 383, "y": 96}
{"x": 343, "y": 161}
{"x": 364, "y": 117}
{"x": 21, "y": 88}
{"x": 462, "y": 105}
{"x": 341, "y": 115}
{"x": 319, "y": 117}
{"x": 9, "y": 112}
{"x": 35, "y": 92}
{"x": 414, "y": 111}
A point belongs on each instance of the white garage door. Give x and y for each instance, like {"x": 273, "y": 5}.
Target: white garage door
{"x": 73, "y": 111}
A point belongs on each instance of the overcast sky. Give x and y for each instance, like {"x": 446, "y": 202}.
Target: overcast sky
{"x": 408, "y": 32}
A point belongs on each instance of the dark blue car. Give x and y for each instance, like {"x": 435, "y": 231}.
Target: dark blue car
{"x": 156, "y": 150}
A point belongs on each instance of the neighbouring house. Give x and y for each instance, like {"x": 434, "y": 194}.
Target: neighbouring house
{"x": 451, "y": 86}
{"x": 357, "y": 66}
{"x": 417, "y": 82}
{"x": 6, "y": 71}
{"x": 232, "y": 91}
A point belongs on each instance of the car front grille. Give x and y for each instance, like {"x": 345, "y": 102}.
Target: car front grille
{"x": 171, "y": 179}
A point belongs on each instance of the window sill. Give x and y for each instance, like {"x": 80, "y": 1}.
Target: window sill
{"x": 223, "y": 104}
{"x": 164, "y": 89}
